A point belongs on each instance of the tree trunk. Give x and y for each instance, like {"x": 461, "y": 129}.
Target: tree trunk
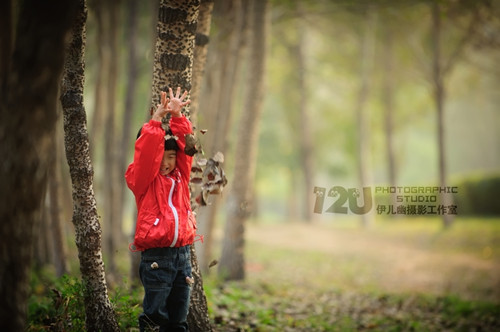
{"x": 227, "y": 49}
{"x": 30, "y": 72}
{"x": 239, "y": 205}
{"x": 98, "y": 309}
{"x": 111, "y": 222}
{"x": 199, "y": 63}
{"x": 362, "y": 116}
{"x": 135, "y": 258}
{"x": 439, "y": 96}
{"x": 59, "y": 250}
{"x": 97, "y": 120}
{"x": 42, "y": 245}
{"x": 132, "y": 77}
{"x": 49, "y": 247}
{"x": 200, "y": 55}
{"x": 306, "y": 146}
{"x": 174, "y": 51}
{"x": 107, "y": 14}
{"x": 173, "y": 66}
{"x": 388, "y": 103}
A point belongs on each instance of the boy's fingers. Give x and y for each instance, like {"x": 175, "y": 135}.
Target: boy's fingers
{"x": 178, "y": 92}
{"x": 184, "y": 95}
{"x": 171, "y": 93}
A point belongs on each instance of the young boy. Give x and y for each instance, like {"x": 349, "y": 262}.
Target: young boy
{"x": 159, "y": 179}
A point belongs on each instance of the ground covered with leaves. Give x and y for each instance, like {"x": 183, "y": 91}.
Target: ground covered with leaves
{"x": 240, "y": 307}
{"x": 399, "y": 275}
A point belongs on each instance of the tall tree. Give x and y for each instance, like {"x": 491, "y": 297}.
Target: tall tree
{"x": 388, "y": 101}
{"x": 239, "y": 204}
{"x": 224, "y": 60}
{"x": 97, "y": 120}
{"x": 105, "y": 117}
{"x": 113, "y": 224}
{"x": 99, "y": 312}
{"x": 200, "y": 54}
{"x": 173, "y": 64}
{"x": 305, "y": 139}
{"x": 59, "y": 250}
{"x": 438, "y": 93}
{"x": 135, "y": 259}
{"x": 362, "y": 116}
{"x": 441, "y": 68}
{"x": 31, "y": 58}
{"x": 131, "y": 34}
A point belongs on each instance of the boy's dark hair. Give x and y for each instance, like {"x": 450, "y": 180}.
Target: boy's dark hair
{"x": 170, "y": 144}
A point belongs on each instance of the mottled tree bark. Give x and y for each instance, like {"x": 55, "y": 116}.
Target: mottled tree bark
{"x": 174, "y": 50}
{"x": 99, "y": 312}
{"x": 239, "y": 204}
{"x": 31, "y": 63}
{"x": 173, "y": 65}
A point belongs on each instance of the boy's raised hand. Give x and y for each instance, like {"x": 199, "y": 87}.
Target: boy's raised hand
{"x": 162, "y": 107}
{"x": 172, "y": 105}
{"x": 177, "y": 102}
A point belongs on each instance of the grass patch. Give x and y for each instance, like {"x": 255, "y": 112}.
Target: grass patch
{"x": 58, "y": 304}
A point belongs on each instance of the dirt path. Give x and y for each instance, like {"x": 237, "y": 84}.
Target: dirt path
{"x": 370, "y": 260}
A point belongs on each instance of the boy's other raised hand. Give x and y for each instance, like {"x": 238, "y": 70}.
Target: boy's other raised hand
{"x": 176, "y": 103}
{"x": 161, "y": 108}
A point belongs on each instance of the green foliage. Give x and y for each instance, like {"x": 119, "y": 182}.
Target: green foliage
{"x": 58, "y": 304}
{"x": 128, "y": 306}
{"x": 478, "y": 195}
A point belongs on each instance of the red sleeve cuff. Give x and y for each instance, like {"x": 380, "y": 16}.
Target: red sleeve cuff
{"x": 155, "y": 123}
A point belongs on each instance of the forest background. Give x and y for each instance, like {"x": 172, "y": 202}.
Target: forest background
{"x": 334, "y": 70}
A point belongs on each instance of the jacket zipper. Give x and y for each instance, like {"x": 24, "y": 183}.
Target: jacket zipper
{"x": 174, "y": 211}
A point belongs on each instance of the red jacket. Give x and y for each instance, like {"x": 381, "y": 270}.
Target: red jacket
{"x": 164, "y": 217}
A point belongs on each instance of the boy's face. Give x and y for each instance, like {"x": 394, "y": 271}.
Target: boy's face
{"x": 168, "y": 162}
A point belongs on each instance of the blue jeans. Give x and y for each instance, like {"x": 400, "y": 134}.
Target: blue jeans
{"x": 163, "y": 273}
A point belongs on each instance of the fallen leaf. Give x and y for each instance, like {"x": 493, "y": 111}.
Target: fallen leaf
{"x": 219, "y": 157}
{"x": 196, "y": 180}
{"x": 196, "y": 169}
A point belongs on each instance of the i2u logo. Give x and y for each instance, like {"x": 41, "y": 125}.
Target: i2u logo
{"x": 341, "y": 196}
